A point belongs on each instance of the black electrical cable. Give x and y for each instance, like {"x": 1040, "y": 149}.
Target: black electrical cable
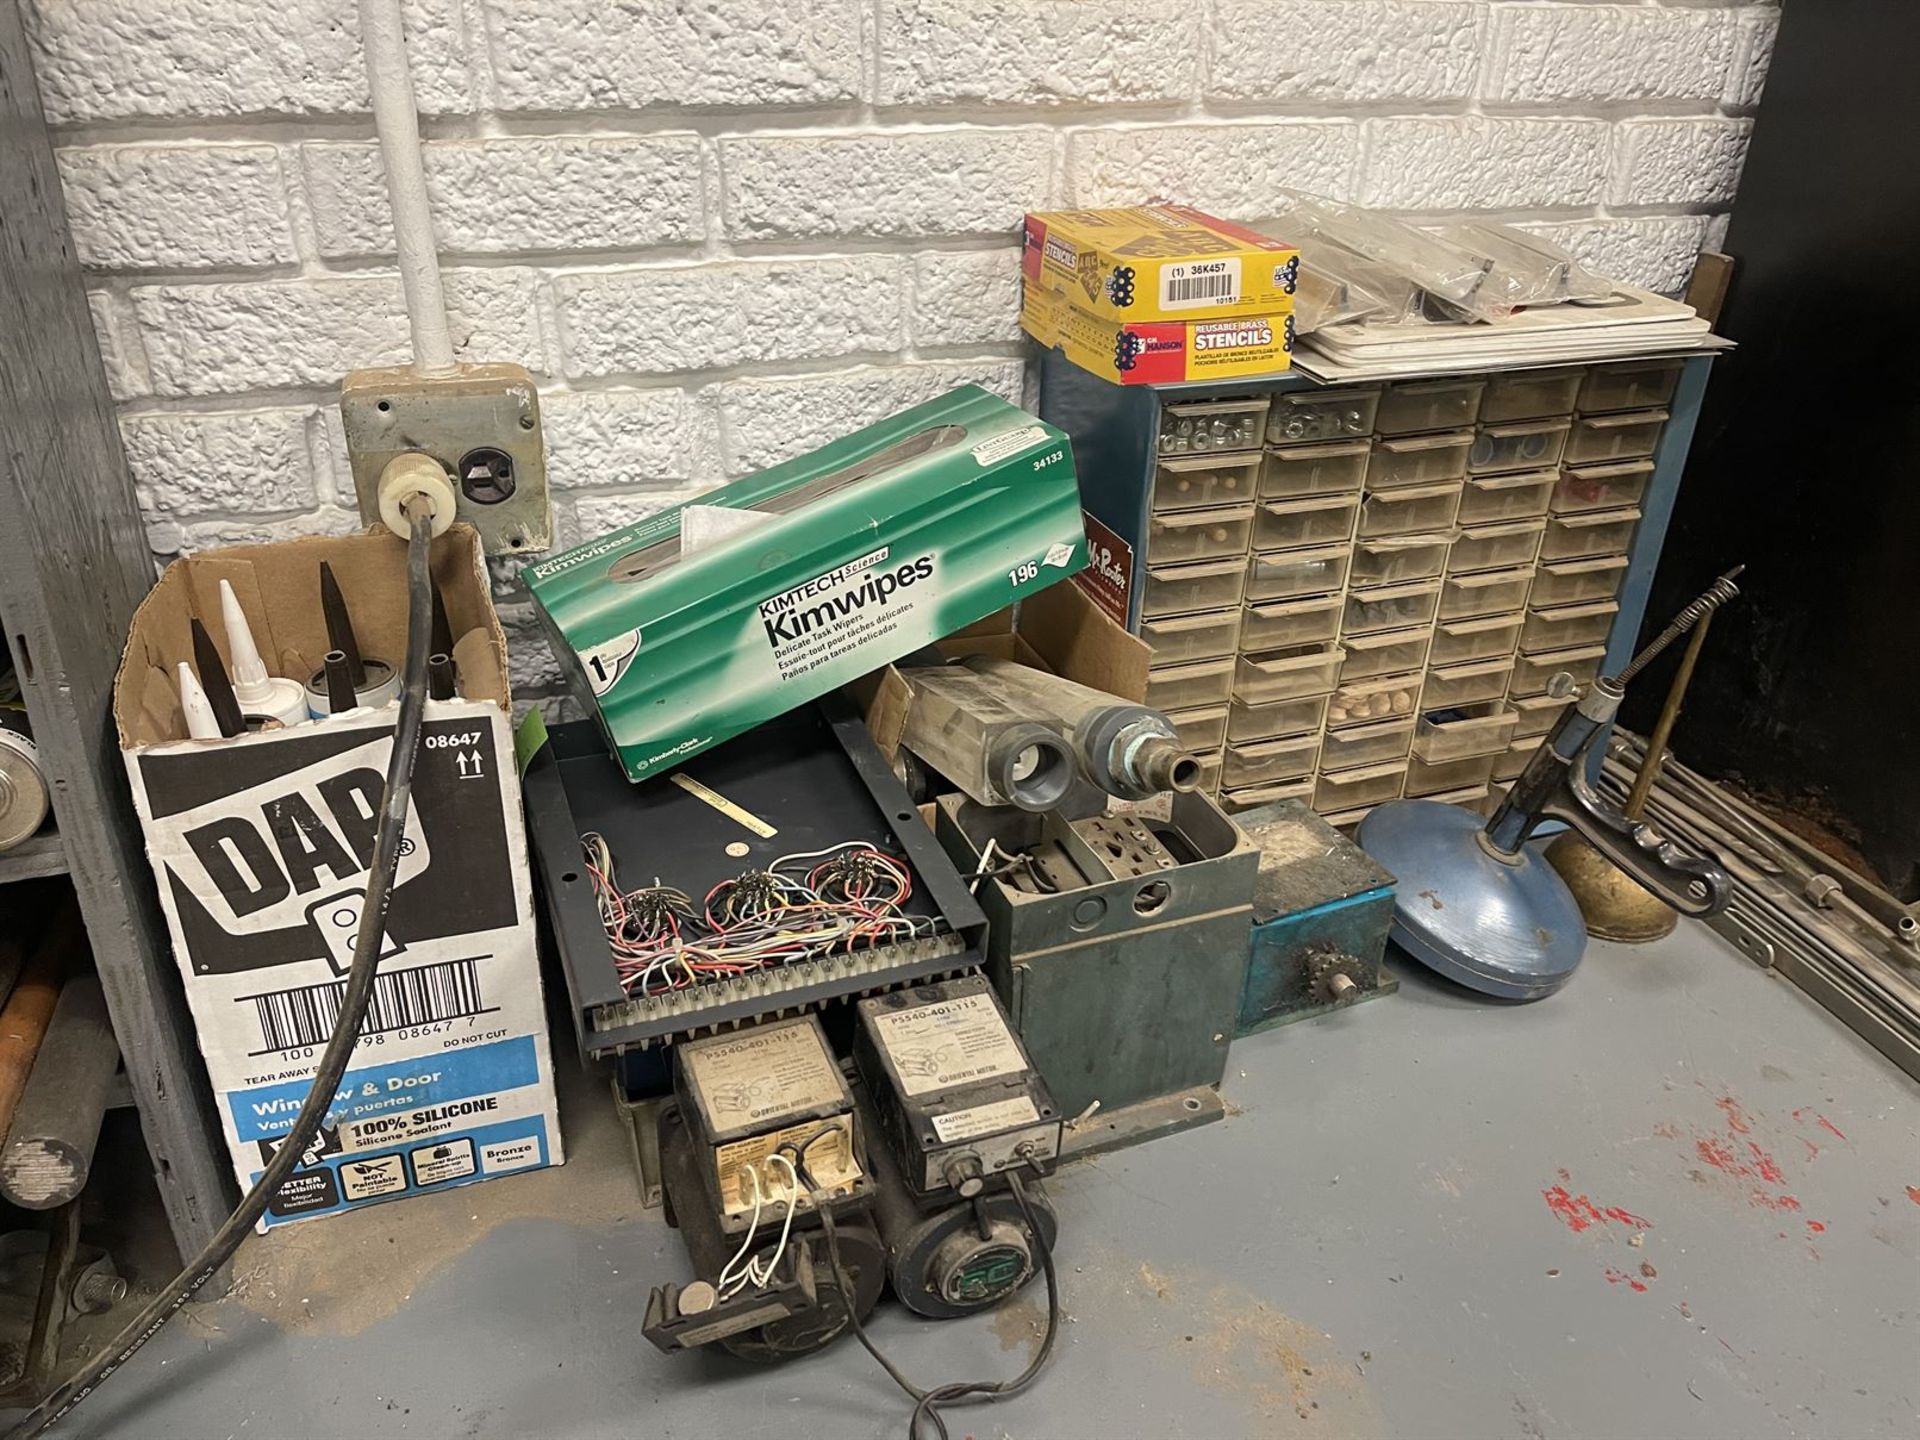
{"x": 928, "y": 1403}
{"x": 389, "y": 822}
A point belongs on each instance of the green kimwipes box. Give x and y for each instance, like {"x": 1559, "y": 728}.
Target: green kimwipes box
{"x": 697, "y": 624}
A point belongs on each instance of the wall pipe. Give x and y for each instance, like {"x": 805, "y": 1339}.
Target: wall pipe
{"x": 397, "y": 123}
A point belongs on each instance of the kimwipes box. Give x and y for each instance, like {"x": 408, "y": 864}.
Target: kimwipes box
{"x": 699, "y": 623}
{"x": 1159, "y": 262}
{"x": 261, "y": 845}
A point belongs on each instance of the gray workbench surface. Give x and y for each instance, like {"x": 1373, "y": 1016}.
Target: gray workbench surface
{"x": 1677, "y": 1199}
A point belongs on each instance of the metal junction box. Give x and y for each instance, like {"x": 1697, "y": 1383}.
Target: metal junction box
{"x": 1321, "y": 910}
{"x": 1123, "y": 989}
{"x": 954, "y": 1089}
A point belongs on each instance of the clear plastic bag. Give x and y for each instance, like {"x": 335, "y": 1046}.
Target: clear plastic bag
{"x": 1524, "y": 268}
{"x": 1456, "y": 278}
{"x": 1337, "y": 286}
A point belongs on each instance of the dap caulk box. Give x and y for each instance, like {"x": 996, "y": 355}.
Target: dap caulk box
{"x": 261, "y": 846}
{"x": 699, "y": 623}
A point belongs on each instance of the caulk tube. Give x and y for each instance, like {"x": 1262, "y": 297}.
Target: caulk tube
{"x": 259, "y": 693}
{"x": 193, "y": 702}
{"x": 375, "y": 682}
{"x": 1127, "y": 750}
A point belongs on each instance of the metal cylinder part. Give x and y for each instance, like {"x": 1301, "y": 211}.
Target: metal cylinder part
{"x": 1128, "y": 750}
{"x": 993, "y": 749}
{"x": 23, "y": 784}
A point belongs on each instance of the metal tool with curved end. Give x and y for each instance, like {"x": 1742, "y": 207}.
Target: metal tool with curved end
{"x": 1475, "y": 904}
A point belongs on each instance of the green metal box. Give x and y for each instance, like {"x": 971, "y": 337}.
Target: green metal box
{"x": 696, "y": 624}
{"x": 1321, "y": 912}
{"x": 1123, "y": 991}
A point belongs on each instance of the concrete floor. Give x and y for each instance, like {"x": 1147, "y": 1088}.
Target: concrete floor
{"x": 1677, "y": 1199}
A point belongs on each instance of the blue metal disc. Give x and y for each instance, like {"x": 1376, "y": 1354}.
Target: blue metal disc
{"x": 1511, "y": 930}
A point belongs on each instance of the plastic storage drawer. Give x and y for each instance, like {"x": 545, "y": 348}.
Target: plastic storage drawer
{"x": 1567, "y": 627}
{"x": 1351, "y": 789}
{"x": 1189, "y": 535}
{"x": 1271, "y": 762}
{"x": 1385, "y": 698}
{"x": 1429, "y": 405}
{"x": 1298, "y": 572}
{"x": 1496, "y": 547}
{"x": 1508, "y": 764}
{"x": 1388, "y": 652}
{"x": 1203, "y": 729}
{"x": 1201, "y": 482}
{"x": 1282, "y": 623}
{"x": 1177, "y": 639}
{"x": 1188, "y": 687}
{"x": 1419, "y": 510}
{"x": 1582, "y": 537}
{"x": 1299, "y": 416}
{"x": 1234, "y": 801}
{"x": 1530, "y": 395}
{"x": 1630, "y": 436}
{"x": 1270, "y": 721}
{"x": 1573, "y": 582}
{"x": 1538, "y": 714}
{"x": 1492, "y": 592}
{"x": 1317, "y": 520}
{"x": 1437, "y": 778}
{"x": 1398, "y": 559}
{"x": 1297, "y": 470}
{"x": 1418, "y": 460}
{"x": 1483, "y": 729}
{"x": 1491, "y": 637}
{"x": 1287, "y": 674}
{"x": 1601, "y": 487}
{"x": 1457, "y": 686}
{"x": 1183, "y": 589}
{"x": 1491, "y": 499}
{"x": 1394, "y": 607}
{"x": 1521, "y": 445}
{"x": 1531, "y": 672}
{"x": 1202, "y": 426}
{"x": 1629, "y": 385}
{"x": 1370, "y": 744}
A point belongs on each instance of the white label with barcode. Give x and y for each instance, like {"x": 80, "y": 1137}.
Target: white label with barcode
{"x": 1192, "y": 283}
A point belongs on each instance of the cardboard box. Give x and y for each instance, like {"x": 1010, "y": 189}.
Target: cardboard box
{"x": 863, "y": 551}
{"x": 261, "y": 844}
{"x": 1159, "y": 262}
{"x": 1158, "y": 352}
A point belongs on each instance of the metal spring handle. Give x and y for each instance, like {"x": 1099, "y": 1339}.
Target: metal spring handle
{"x": 1717, "y": 594}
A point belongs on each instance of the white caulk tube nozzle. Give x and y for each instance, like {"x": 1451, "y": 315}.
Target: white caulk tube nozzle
{"x": 258, "y": 692}
{"x": 249, "y": 671}
{"x": 193, "y": 700}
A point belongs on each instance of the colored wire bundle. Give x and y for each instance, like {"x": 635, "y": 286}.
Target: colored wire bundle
{"x": 844, "y": 898}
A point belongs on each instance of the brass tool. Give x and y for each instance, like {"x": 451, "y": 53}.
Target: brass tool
{"x": 1614, "y": 905}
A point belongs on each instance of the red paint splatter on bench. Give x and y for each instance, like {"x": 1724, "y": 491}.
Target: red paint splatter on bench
{"x": 1578, "y": 1213}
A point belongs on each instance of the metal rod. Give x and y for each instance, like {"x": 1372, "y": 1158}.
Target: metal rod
{"x": 1669, "y": 716}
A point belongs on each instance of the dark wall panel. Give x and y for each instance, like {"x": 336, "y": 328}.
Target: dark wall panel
{"x": 1807, "y": 464}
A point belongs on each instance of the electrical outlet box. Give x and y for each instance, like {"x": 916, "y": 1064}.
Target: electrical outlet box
{"x": 481, "y": 423}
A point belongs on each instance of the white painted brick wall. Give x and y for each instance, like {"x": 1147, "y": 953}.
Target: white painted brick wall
{"x": 722, "y": 232}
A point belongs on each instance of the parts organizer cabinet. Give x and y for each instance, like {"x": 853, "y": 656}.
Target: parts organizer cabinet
{"x": 1424, "y": 553}
{"x": 77, "y": 563}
